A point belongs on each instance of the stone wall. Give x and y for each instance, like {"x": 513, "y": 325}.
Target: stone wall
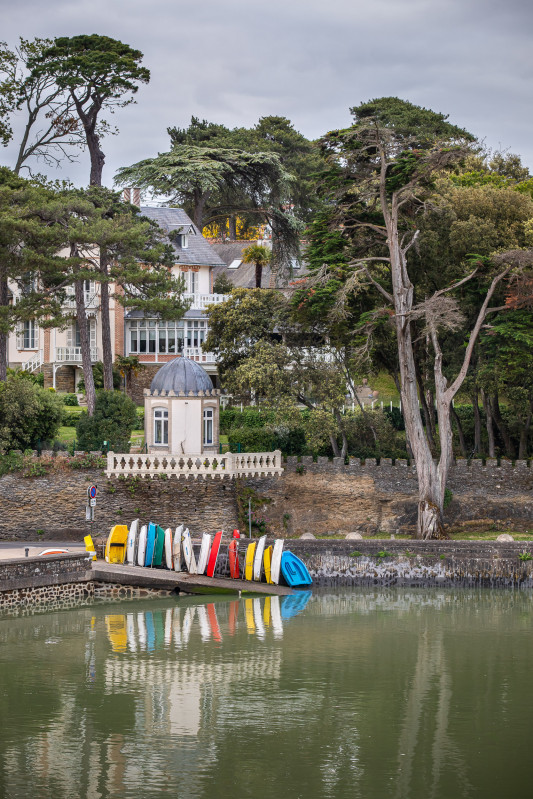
{"x": 324, "y": 498}
{"x": 49, "y": 582}
{"x": 371, "y": 562}
{"x": 137, "y": 383}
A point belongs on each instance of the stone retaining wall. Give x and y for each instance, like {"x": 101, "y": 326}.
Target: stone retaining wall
{"x": 385, "y": 562}
{"x": 325, "y": 498}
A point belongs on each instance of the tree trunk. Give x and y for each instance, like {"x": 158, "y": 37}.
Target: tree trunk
{"x": 232, "y": 225}
{"x": 489, "y": 423}
{"x": 477, "y": 422}
{"x": 258, "y": 274}
{"x": 502, "y": 427}
{"x": 460, "y": 433}
{"x": 524, "y": 435}
{"x": 4, "y": 337}
{"x": 97, "y": 157}
{"x": 425, "y": 410}
{"x": 107, "y": 350}
{"x": 85, "y": 345}
{"x": 334, "y": 446}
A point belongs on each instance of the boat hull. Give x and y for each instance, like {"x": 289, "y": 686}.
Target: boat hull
{"x": 294, "y": 570}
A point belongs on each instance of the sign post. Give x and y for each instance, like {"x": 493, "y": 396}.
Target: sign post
{"x": 91, "y": 505}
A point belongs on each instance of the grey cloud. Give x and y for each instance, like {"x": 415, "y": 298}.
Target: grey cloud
{"x": 310, "y": 60}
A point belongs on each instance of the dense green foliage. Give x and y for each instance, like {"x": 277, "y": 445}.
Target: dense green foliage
{"x": 113, "y": 420}
{"x": 29, "y": 415}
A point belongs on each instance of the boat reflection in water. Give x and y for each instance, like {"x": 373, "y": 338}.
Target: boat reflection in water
{"x": 148, "y": 630}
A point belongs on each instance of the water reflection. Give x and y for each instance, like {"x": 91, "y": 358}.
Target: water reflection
{"x": 147, "y": 630}
{"x": 356, "y": 694}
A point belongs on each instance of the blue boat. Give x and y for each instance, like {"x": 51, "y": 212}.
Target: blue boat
{"x": 294, "y": 570}
{"x": 150, "y": 544}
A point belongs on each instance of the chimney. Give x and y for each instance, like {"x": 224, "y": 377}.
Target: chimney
{"x": 126, "y": 195}
{"x": 136, "y": 199}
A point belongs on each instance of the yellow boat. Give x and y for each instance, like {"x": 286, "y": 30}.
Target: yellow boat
{"x": 267, "y": 560}
{"x": 249, "y": 564}
{"x": 115, "y": 548}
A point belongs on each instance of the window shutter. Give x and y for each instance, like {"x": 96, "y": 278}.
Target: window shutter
{"x": 70, "y": 334}
{"x": 20, "y": 335}
{"x": 92, "y": 332}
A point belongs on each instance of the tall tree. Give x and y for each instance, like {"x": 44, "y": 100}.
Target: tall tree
{"x": 51, "y": 131}
{"x": 97, "y": 225}
{"x": 28, "y": 257}
{"x": 383, "y": 169}
{"x": 99, "y": 74}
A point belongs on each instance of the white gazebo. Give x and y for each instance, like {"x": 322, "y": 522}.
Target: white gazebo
{"x": 181, "y": 422}
{"x": 181, "y": 410}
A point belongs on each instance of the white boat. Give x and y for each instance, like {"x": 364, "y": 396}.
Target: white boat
{"x": 275, "y": 563}
{"x": 141, "y": 548}
{"x": 188, "y": 552}
{"x": 168, "y": 548}
{"x": 176, "y": 549}
{"x": 258, "y": 559}
{"x": 132, "y": 540}
{"x": 204, "y": 553}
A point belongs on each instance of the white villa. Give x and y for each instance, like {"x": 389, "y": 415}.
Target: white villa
{"x": 57, "y": 352}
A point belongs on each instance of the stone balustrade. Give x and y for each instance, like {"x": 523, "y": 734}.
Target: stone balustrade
{"x": 229, "y": 464}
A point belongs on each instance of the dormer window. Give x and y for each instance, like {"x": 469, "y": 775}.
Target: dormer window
{"x": 184, "y": 241}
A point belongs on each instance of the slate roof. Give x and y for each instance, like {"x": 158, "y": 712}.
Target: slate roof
{"x": 244, "y": 275}
{"x": 182, "y": 374}
{"x": 199, "y": 252}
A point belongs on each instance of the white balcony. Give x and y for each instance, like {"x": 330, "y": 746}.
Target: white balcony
{"x": 199, "y": 302}
{"x": 91, "y": 299}
{"x": 73, "y": 355}
{"x": 197, "y": 354}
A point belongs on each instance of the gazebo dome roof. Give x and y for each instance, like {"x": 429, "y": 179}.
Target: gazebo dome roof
{"x": 182, "y": 375}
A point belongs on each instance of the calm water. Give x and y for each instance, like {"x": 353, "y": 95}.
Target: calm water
{"x": 360, "y": 694}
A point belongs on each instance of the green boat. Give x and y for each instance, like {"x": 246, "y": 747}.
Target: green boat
{"x": 159, "y": 546}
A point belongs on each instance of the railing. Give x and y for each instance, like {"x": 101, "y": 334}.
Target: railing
{"x": 73, "y": 354}
{"x": 90, "y": 297}
{"x": 33, "y": 363}
{"x": 231, "y": 465}
{"x": 201, "y": 301}
{"x": 197, "y": 354}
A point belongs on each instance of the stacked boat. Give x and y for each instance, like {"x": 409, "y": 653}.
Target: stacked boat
{"x": 149, "y": 545}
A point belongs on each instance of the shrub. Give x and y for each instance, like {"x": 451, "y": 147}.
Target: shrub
{"x": 361, "y": 442}
{"x": 28, "y": 414}
{"x": 139, "y": 422}
{"x": 251, "y": 439}
{"x": 113, "y": 420}
{"x": 70, "y": 399}
{"x": 98, "y": 375}
{"x": 70, "y": 419}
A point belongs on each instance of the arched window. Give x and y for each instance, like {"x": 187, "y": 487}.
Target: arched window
{"x": 208, "y": 426}
{"x": 160, "y": 426}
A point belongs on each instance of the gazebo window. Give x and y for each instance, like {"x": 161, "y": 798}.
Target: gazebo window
{"x": 208, "y": 426}
{"x": 160, "y": 426}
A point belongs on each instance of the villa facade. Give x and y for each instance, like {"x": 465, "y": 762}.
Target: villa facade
{"x": 58, "y": 353}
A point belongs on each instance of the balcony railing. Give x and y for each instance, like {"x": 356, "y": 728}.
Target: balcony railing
{"x": 201, "y": 301}
{"x": 91, "y": 299}
{"x": 197, "y": 354}
{"x": 229, "y": 465}
{"x": 73, "y": 354}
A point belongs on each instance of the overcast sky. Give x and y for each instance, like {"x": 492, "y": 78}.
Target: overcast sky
{"x": 232, "y": 61}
